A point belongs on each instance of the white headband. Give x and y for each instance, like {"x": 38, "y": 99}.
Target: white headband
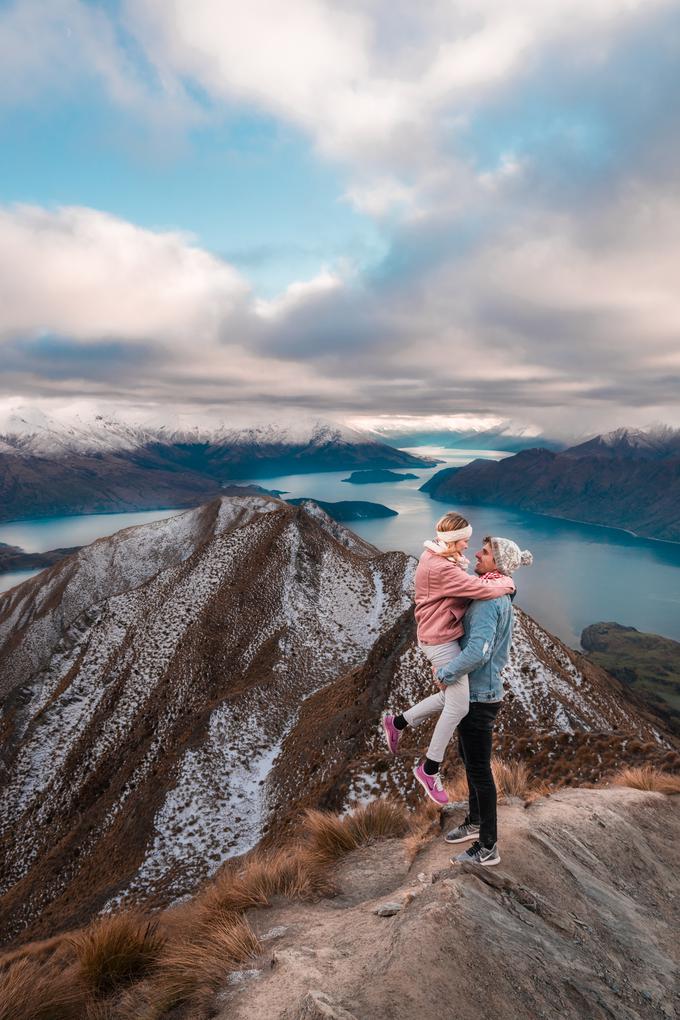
{"x": 454, "y": 536}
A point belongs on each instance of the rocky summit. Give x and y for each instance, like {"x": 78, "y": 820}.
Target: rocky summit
{"x": 174, "y": 694}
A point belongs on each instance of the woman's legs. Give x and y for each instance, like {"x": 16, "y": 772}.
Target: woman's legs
{"x": 452, "y": 704}
{"x": 456, "y": 707}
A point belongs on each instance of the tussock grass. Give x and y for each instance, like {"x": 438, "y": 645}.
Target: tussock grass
{"x": 115, "y": 950}
{"x": 31, "y": 992}
{"x": 456, "y": 786}
{"x": 536, "y": 791}
{"x": 379, "y": 819}
{"x": 55, "y": 948}
{"x": 425, "y": 824}
{"x": 511, "y": 777}
{"x": 197, "y": 965}
{"x": 646, "y": 777}
{"x": 256, "y": 880}
{"x": 329, "y": 837}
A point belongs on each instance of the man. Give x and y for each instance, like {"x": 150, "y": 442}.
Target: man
{"x": 485, "y": 650}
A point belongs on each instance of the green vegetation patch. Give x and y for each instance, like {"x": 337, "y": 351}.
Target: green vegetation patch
{"x": 648, "y": 662}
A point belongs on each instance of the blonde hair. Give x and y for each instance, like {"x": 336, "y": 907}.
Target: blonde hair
{"x": 451, "y": 522}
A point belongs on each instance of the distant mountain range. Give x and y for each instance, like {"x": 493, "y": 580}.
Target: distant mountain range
{"x": 458, "y": 432}
{"x": 49, "y": 467}
{"x": 178, "y": 692}
{"x": 627, "y": 479}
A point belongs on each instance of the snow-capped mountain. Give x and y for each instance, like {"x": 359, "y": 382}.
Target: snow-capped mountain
{"x": 644, "y": 444}
{"x": 26, "y": 429}
{"x": 176, "y": 693}
{"x": 59, "y": 465}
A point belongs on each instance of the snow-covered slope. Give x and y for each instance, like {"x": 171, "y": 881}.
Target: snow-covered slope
{"x": 150, "y": 680}
{"x": 645, "y": 444}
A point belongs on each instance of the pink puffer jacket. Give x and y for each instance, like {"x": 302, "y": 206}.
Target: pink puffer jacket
{"x": 443, "y": 593}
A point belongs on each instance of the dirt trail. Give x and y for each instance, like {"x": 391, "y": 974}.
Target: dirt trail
{"x": 580, "y": 919}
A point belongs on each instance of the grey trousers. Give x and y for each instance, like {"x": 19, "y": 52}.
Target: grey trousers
{"x": 452, "y": 704}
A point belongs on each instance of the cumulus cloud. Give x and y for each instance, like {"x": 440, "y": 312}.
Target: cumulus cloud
{"x": 520, "y": 160}
{"x": 373, "y": 84}
{"x": 85, "y": 274}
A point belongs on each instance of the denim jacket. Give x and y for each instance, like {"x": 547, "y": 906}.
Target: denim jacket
{"x": 486, "y": 647}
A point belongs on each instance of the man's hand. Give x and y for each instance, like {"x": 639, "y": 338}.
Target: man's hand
{"x": 437, "y": 682}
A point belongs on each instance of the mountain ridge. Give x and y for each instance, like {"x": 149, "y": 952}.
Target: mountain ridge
{"x": 50, "y": 468}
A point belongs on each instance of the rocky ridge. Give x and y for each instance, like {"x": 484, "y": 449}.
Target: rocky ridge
{"x": 579, "y": 920}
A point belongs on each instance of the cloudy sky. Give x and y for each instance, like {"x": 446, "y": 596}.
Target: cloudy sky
{"x": 357, "y": 208}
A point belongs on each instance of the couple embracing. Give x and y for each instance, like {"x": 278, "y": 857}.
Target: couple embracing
{"x": 465, "y": 630}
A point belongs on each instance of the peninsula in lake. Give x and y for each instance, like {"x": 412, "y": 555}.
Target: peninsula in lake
{"x": 370, "y": 477}
{"x": 628, "y": 479}
{"x": 649, "y": 663}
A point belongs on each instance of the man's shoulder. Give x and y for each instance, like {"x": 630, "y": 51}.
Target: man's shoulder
{"x": 489, "y": 607}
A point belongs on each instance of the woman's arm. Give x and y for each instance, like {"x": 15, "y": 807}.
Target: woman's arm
{"x": 457, "y": 582}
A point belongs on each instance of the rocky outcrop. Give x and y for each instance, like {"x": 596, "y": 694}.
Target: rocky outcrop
{"x": 579, "y": 920}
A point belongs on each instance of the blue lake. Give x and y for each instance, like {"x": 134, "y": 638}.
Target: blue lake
{"x": 582, "y": 573}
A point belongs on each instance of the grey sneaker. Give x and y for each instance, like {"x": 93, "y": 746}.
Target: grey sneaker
{"x": 478, "y": 854}
{"x": 468, "y": 830}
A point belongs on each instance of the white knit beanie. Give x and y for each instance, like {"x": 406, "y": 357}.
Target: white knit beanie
{"x": 509, "y": 556}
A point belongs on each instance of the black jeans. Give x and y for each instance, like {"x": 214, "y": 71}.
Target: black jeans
{"x": 474, "y": 743}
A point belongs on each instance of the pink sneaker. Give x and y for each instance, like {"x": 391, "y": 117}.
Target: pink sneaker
{"x": 391, "y": 732}
{"x": 432, "y": 785}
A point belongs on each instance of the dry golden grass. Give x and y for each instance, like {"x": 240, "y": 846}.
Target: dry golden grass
{"x": 115, "y": 950}
{"x": 425, "y": 824}
{"x": 379, "y": 819}
{"x": 646, "y": 777}
{"x": 31, "y": 992}
{"x": 330, "y": 837}
{"x": 536, "y": 791}
{"x": 198, "y": 964}
{"x": 456, "y": 786}
{"x": 54, "y": 949}
{"x": 511, "y": 777}
{"x": 253, "y": 882}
